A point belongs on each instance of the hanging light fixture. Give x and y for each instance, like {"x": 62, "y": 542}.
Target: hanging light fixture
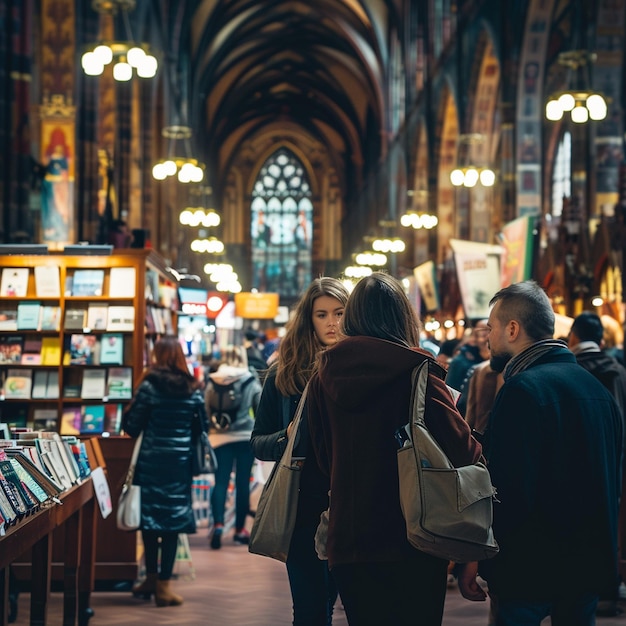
{"x": 418, "y": 218}
{"x": 185, "y": 168}
{"x": 582, "y": 102}
{"x": 200, "y": 216}
{"x": 124, "y": 55}
{"x": 470, "y": 175}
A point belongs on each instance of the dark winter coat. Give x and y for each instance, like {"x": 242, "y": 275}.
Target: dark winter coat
{"x": 163, "y": 408}
{"x": 357, "y": 401}
{"x": 554, "y": 447}
{"x": 269, "y": 440}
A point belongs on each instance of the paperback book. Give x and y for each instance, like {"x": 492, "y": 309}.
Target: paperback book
{"x": 87, "y": 282}
{"x": 47, "y": 281}
{"x": 94, "y": 384}
{"x": 97, "y": 316}
{"x": 31, "y": 351}
{"x": 82, "y": 348}
{"x": 92, "y": 419}
{"x": 122, "y": 282}
{"x": 45, "y": 419}
{"x": 8, "y": 319}
{"x": 18, "y": 383}
{"x": 50, "y": 351}
{"x": 75, "y": 319}
{"x": 121, "y": 318}
{"x": 112, "y": 349}
{"x": 70, "y": 421}
{"x": 28, "y": 315}
{"x": 112, "y": 418}
{"x": 14, "y": 282}
{"x": 120, "y": 383}
{"x": 50, "y": 318}
{"x": 10, "y": 349}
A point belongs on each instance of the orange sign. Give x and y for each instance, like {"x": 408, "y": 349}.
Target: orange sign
{"x": 256, "y": 305}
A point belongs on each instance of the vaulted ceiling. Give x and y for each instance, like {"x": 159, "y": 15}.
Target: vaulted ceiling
{"x": 247, "y": 64}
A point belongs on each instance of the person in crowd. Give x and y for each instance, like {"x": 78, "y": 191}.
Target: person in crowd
{"x": 447, "y": 350}
{"x": 166, "y": 407}
{"x": 254, "y": 351}
{"x": 586, "y": 341}
{"x": 359, "y": 397}
{"x": 315, "y": 325}
{"x": 229, "y": 435}
{"x": 472, "y": 352}
{"x": 553, "y": 445}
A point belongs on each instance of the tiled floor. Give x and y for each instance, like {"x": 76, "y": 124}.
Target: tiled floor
{"x": 233, "y": 588}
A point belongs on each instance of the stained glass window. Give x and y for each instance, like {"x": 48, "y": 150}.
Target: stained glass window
{"x": 562, "y": 174}
{"x": 282, "y": 226}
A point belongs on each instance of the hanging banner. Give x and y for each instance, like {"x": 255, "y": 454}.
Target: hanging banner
{"x": 478, "y": 274}
{"x": 517, "y": 240}
{"x": 256, "y": 305}
{"x": 426, "y": 279}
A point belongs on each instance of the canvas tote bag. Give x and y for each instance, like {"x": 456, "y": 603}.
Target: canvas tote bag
{"x": 276, "y": 512}
{"x": 448, "y": 510}
{"x": 128, "y": 516}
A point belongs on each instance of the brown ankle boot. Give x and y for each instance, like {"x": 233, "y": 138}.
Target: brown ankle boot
{"x": 146, "y": 588}
{"x": 164, "y": 596}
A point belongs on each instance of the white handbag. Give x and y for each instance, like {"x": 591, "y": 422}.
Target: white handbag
{"x": 129, "y": 503}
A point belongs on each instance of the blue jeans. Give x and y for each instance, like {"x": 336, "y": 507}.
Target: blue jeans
{"x": 240, "y": 454}
{"x": 313, "y": 590}
{"x": 579, "y": 610}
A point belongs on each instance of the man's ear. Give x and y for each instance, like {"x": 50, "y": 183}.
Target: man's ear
{"x": 513, "y": 330}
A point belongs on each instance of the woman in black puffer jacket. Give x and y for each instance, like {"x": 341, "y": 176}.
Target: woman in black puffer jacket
{"x": 166, "y": 404}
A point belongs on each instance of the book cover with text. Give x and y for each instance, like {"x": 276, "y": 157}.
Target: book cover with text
{"x": 14, "y": 283}
{"x": 87, "y": 282}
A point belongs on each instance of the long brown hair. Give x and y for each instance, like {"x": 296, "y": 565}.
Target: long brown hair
{"x": 298, "y": 349}
{"x": 378, "y": 307}
{"x": 167, "y": 353}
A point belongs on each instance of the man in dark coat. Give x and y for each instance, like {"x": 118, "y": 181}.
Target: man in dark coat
{"x": 586, "y": 341}
{"x": 553, "y": 446}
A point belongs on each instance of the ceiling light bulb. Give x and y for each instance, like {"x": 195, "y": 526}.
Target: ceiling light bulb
{"x": 135, "y": 56}
{"x": 471, "y": 177}
{"x": 457, "y": 177}
{"x": 554, "y": 111}
{"x": 103, "y": 53}
{"x": 148, "y": 67}
{"x": 122, "y": 71}
{"x": 487, "y": 178}
{"x": 567, "y": 102}
{"x": 91, "y": 64}
{"x": 597, "y": 106}
{"x": 580, "y": 114}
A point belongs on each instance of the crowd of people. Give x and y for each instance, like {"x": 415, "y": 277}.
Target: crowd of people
{"x": 544, "y": 413}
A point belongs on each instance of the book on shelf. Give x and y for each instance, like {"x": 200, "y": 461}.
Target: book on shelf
{"x": 18, "y": 383}
{"x": 152, "y": 286}
{"x": 112, "y": 418}
{"x": 45, "y": 419}
{"x": 122, "y": 282}
{"x": 97, "y": 316}
{"x": 70, "y": 420}
{"x": 121, "y": 318}
{"x": 87, "y": 282}
{"x": 71, "y": 390}
{"x": 31, "y": 351}
{"x": 52, "y": 390}
{"x": 82, "y": 348}
{"x": 93, "y": 384}
{"x": 82, "y": 459}
{"x": 50, "y": 351}
{"x": 26, "y": 454}
{"x": 51, "y": 456}
{"x": 92, "y": 419}
{"x": 21, "y": 493}
{"x": 28, "y": 314}
{"x": 28, "y": 481}
{"x": 120, "y": 383}
{"x": 75, "y": 319}
{"x": 10, "y": 349}
{"x": 112, "y": 349}
{"x": 47, "y": 281}
{"x": 14, "y": 282}
{"x": 50, "y": 317}
{"x": 8, "y": 319}
{"x": 40, "y": 384}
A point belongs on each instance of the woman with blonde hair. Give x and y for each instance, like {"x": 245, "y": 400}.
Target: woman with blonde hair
{"x": 168, "y": 408}
{"x": 315, "y": 326}
{"x": 230, "y": 428}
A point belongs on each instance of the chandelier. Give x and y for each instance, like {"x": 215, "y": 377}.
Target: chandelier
{"x": 185, "y": 168}
{"x": 124, "y": 55}
{"x": 199, "y": 216}
{"x": 471, "y": 174}
{"x": 224, "y": 277}
{"x": 207, "y": 245}
{"x": 582, "y": 102}
{"x": 418, "y": 218}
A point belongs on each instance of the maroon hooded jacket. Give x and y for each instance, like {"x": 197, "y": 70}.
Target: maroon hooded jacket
{"x": 357, "y": 400}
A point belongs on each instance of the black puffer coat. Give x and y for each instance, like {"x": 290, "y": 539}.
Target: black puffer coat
{"x": 163, "y": 408}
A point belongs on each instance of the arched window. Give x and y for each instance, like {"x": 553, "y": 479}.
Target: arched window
{"x": 281, "y": 226}
{"x": 562, "y": 174}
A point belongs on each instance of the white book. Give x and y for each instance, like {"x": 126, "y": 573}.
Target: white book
{"x": 52, "y": 390}
{"x": 121, "y": 318}
{"x": 14, "y": 282}
{"x": 47, "y": 281}
{"x": 94, "y": 384}
{"x": 122, "y": 282}
{"x": 97, "y": 316}
{"x": 120, "y": 383}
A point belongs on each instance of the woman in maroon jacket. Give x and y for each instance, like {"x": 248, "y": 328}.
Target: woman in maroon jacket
{"x": 357, "y": 400}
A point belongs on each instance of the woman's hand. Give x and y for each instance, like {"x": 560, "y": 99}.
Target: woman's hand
{"x": 468, "y": 585}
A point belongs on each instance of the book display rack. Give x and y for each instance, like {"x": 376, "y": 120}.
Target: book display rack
{"x": 75, "y": 334}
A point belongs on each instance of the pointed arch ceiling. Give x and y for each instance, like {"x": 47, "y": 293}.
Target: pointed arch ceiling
{"x": 319, "y": 65}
